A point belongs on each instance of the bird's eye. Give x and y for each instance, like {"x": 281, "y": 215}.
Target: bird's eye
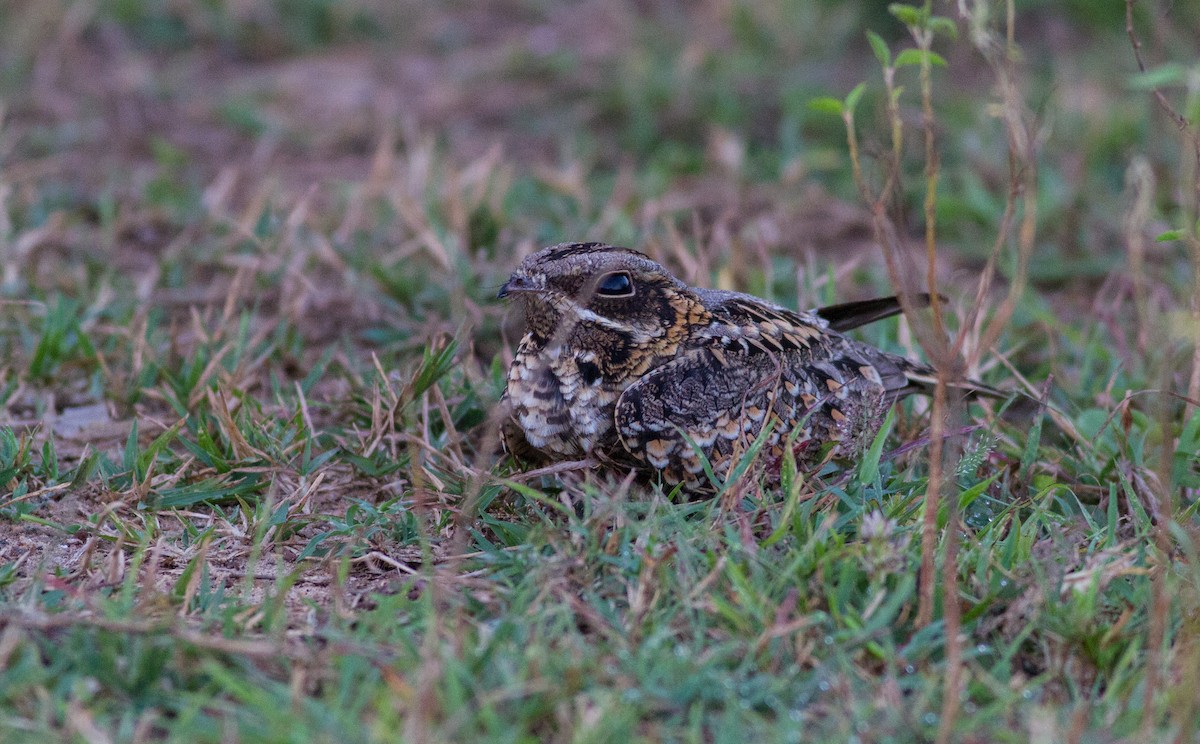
{"x": 616, "y": 284}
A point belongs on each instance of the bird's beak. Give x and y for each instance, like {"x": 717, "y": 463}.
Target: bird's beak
{"x": 514, "y": 285}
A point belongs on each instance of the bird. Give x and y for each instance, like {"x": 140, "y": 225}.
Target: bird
{"x": 625, "y": 364}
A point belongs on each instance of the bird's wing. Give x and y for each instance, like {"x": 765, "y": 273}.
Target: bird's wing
{"x": 811, "y": 342}
{"x": 817, "y": 334}
{"x": 756, "y": 364}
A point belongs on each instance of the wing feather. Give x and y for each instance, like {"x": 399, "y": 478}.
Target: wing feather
{"x": 825, "y": 388}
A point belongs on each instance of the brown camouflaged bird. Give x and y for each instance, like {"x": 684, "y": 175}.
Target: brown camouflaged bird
{"x": 625, "y": 363}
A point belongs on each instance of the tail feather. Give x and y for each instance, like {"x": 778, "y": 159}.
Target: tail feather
{"x": 901, "y": 376}
{"x": 922, "y": 378}
{"x": 850, "y": 315}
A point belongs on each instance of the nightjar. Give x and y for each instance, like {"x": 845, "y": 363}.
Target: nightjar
{"x": 627, "y": 364}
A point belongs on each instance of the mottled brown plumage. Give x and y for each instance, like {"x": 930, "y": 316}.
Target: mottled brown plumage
{"x": 623, "y": 362}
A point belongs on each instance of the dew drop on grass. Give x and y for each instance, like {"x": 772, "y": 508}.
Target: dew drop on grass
{"x": 929, "y": 719}
{"x": 828, "y": 640}
{"x": 983, "y": 648}
{"x": 824, "y": 686}
{"x": 910, "y": 669}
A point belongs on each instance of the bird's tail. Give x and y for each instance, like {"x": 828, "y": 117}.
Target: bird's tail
{"x": 850, "y": 315}
{"x": 923, "y": 379}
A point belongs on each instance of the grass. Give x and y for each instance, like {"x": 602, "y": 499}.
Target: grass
{"x": 250, "y": 349}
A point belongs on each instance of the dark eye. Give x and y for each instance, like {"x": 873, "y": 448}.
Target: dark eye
{"x": 616, "y": 284}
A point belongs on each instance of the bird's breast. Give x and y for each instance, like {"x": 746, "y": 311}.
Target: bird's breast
{"x": 562, "y": 400}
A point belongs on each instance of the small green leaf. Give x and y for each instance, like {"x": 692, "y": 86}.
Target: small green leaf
{"x": 917, "y": 56}
{"x": 179, "y": 591}
{"x": 436, "y": 363}
{"x": 49, "y": 469}
{"x": 317, "y": 371}
{"x": 211, "y": 490}
{"x": 880, "y": 47}
{"x": 1032, "y": 441}
{"x": 826, "y": 105}
{"x": 536, "y": 496}
{"x": 868, "y": 467}
{"x": 309, "y": 464}
{"x": 909, "y": 15}
{"x": 1184, "y": 472}
{"x": 1170, "y": 235}
{"x": 854, "y": 96}
{"x": 87, "y": 467}
{"x": 965, "y": 499}
{"x": 145, "y": 458}
{"x": 943, "y": 25}
{"x": 1169, "y": 74}
{"x": 130, "y": 457}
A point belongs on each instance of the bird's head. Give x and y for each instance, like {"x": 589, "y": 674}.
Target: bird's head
{"x": 592, "y": 288}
